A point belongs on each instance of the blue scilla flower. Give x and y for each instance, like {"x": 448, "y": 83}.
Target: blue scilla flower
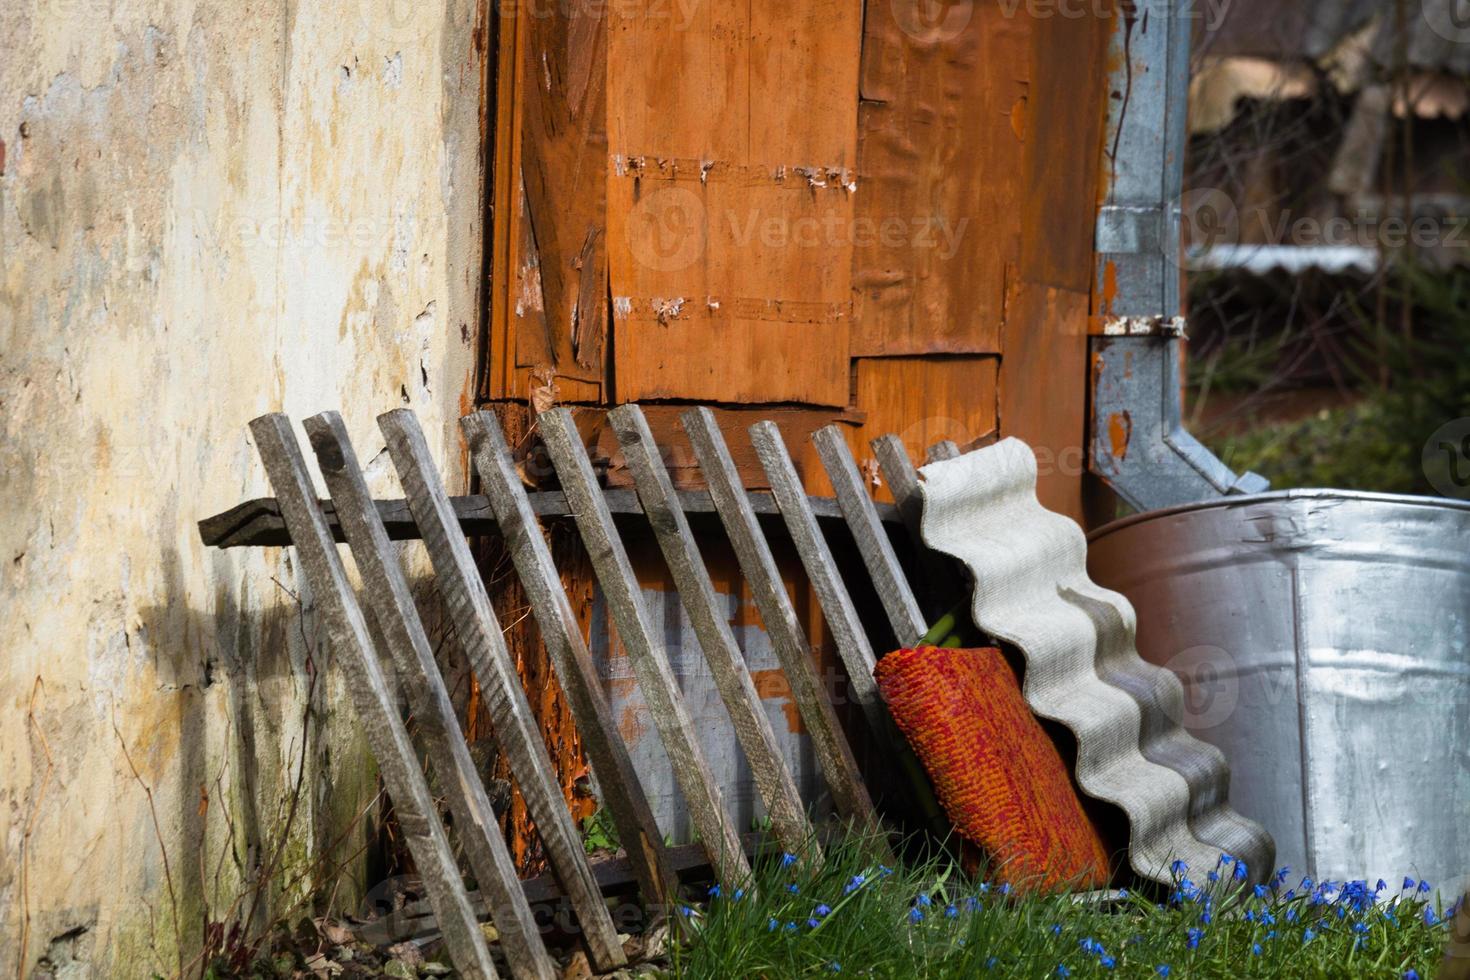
{"x": 1423, "y": 886}
{"x": 1163, "y": 969}
{"x": 822, "y": 911}
{"x": 813, "y": 923}
{"x": 835, "y": 967}
{"x": 1291, "y": 915}
{"x": 1195, "y": 935}
{"x": 1431, "y": 918}
{"x": 772, "y": 925}
{"x": 1055, "y": 930}
{"x": 1240, "y": 871}
{"x": 1282, "y": 873}
{"x": 1107, "y": 962}
{"x": 853, "y": 884}
{"x": 984, "y": 887}
{"x": 1380, "y": 886}
{"x": 685, "y": 911}
{"x": 792, "y": 888}
{"x": 1411, "y": 975}
{"x": 739, "y": 894}
{"x": 1250, "y": 916}
{"x": 1122, "y": 893}
{"x": 1360, "y": 927}
{"x": 714, "y": 891}
{"x": 990, "y": 964}
{"x": 1409, "y": 884}
{"x": 790, "y": 927}
{"x": 1207, "y": 917}
{"x": 922, "y": 899}
{"x": 1213, "y": 876}
{"x": 1268, "y": 918}
{"x": 1090, "y": 945}
{"x": 1271, "y": 935}
{"x": 884, "y": 870}
{"x": 915, "y": 915}
{"x": 1308, "y": 936}
{"x": 1005, "y": 889}
{"x": 950, "y": 912}
{"x": 788, "y": 859}
{"x": 1178, "y": 867}
{"x": 1062, "y": 971}
{"x": 1261, "y": 891}
{"x": 972, "y": 904}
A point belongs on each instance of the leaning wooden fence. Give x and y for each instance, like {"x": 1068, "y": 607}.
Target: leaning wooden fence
{"x": 368, "y": 526}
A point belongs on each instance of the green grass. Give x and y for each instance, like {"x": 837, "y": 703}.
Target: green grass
{"x": 854, "y": 916}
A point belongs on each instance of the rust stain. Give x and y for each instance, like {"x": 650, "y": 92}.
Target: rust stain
{"x": 771, "y": 685}
{"x": 1120, "y": 432}
{"x": 1109, "y": 286}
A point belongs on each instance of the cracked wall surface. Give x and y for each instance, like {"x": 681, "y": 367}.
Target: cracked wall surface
{"x": 208, "y": 210}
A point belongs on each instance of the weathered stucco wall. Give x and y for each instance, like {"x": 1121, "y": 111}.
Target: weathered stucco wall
{"x": 208, "y": 210}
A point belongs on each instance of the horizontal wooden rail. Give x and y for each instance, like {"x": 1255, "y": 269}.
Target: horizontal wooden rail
{"x": 258, "y": 523}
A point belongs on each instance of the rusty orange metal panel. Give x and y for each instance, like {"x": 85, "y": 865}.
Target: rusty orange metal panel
{"x": 941, "y": 131}
{"x": 733, "y": 142}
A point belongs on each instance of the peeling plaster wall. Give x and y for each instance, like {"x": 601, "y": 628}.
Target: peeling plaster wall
{"x": 208, "y": 210}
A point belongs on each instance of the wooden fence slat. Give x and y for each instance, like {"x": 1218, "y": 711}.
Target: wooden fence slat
{"x": 888, "y": 575}
{"x": 519, "y": 736}
{"x": 940, "y": 575}
{"x": 842, "y": 618}
{"x": 376, "y": 710}
{"x": 650, "y": 664}
{"x": 853, "y": 645}
{"x": 257, "y": 523}
{"x": 622, "y": 793}
{"x": 941, "y": 451}
{"x": 834, "y": 754}
{"x": 391, "y": 604}
{"x": 727, "y": 664}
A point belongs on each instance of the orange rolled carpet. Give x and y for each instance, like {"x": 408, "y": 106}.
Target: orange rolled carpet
{"x": 995, "y": 770}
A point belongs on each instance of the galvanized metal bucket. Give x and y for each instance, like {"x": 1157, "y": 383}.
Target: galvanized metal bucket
{"x": 1324, "y": 641}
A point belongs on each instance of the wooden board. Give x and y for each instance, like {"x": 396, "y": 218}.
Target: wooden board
{"x": 732, "y": 131}
{"x": 923, "y": 401}
{"x": 563, "y": 149}
{"x": 944, "y": 96}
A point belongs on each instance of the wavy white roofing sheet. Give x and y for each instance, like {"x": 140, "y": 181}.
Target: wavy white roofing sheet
{"x": 1082, "y": 665}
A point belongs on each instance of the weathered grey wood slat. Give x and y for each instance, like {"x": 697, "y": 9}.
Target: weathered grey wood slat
{"x": 873, "y": 543}
{"x": 941, "y": 451}
{"x": 853, "y": 645}
{"x": 941, "y": 576}
{"x": 386, "y": 735}
{"x": 727, "y": 664}
{"x": 391, "y": 604}
{"x": 834, "y": 754}
{"x": 622, "y": 792}
{"x": 650, "y": 663}
{"x": 257, "y": 523}
{"x": 516, "y": 730}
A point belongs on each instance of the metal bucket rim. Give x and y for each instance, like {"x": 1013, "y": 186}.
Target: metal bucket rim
{"x": 1246, "y": 500}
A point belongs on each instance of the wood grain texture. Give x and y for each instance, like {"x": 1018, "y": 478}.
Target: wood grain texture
{"x": 940, "y": 578}
{"x": 842, "y": 618}
{"x": 650, "y": 663}
{"x": 727, "y": 665}
{"x": 621, "y": 789}
{"x": 892, "y": 583}
{"x": 944, "y": 95}
{"x": 923, "y": 401}
{"x": 764, "y": 579}
{"x": 732, "y": 133}
{"x": 347, "y": 630}
{"x": 392, "y": 607}
{"x": 478, "y": 633}
{"x": 563, "y": 163}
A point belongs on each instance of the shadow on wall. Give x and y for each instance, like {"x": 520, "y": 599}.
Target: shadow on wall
{"x": 247, "y": 765}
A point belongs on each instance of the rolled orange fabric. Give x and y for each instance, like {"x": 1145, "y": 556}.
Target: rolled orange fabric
{"x": 995, "y": 770}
